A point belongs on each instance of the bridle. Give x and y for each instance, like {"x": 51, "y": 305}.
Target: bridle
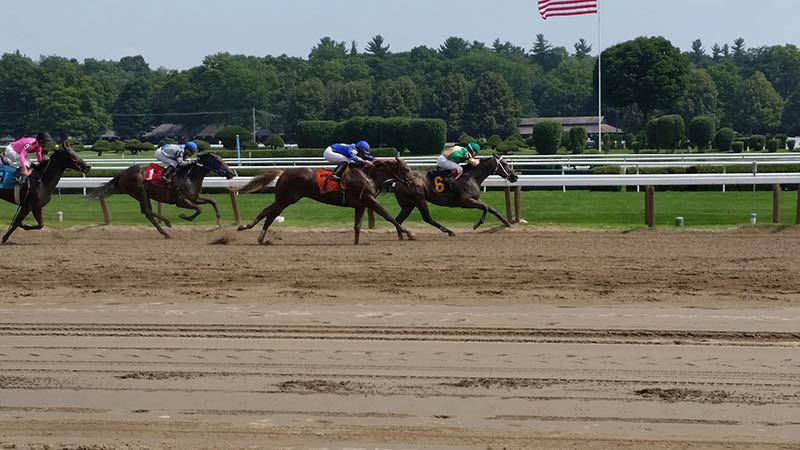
{"x": 498, "y": 166}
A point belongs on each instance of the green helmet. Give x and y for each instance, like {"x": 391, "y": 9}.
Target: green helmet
{"x": 473, "y": 146}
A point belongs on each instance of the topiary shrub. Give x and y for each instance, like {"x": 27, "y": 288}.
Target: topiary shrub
{"x": 166, "y": 141}
{"x": 202, "y": 145}
{"x": 507, "y": 147}
{"x": 651, "y": 131}
{"x": 702, "y": 129}
{"x": 275, "y": 141}
{"x": 517, "y": 139}
{"x": 494, "y": 141}
{"x": 135, "y": 146}
{"x": 317, "y": 133}
{"x": 577, "y": 140}
{"x": 465, "y": 139}
{"x": 737, "y": 146}
{"x": 757, "y": 142}
{"x": 118, "y": 146}
{"x": 790, "y": 144}
{"x": 782, "y": 138}
{"x": 228, "y": 135}
{"x": 772, "y": 145}
{"x": 101, "y": 146}
{"x": 547, "y": 137}
{"x": 724, "y": 139}
{"x": 669, "y": 131}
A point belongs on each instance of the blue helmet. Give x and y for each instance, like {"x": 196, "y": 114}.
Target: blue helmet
{"x": 363, "y": 146}
{"x": 190, "y": 146}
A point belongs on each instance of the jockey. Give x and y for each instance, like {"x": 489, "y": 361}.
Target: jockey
{"x": 452, "y": 158}
{"x": 344, "y": 154}
{"x": 176, "y": 156}
{"x": 15, "y": 152}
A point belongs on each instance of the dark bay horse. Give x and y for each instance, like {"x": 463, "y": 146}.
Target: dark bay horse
{"x": 183, "y": 192}
{"x": 362, "y": 188}
{"x": 467, "y": 192}
{"x": 40, "y": 186}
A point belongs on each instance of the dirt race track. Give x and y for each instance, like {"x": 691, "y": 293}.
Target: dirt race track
{"x": 113, "y": 338}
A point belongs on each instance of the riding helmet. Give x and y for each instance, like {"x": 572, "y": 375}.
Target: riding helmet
{"x": 473, "y": 146}
{"x": 191, "y": 146}
{"x": 363, "y": 146}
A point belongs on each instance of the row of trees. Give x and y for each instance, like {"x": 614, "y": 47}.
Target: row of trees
{"x": 475, "y": 88}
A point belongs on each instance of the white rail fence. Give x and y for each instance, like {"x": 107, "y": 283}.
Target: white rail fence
{"x": 650, "y": 181}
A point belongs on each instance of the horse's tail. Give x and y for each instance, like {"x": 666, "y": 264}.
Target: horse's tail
{"x": 104, "y": 190}
{"x": 259, "y": 182}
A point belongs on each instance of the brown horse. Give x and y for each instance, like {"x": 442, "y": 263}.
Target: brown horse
{"x": 40, "y": 186}
{"x": 183, "y": 192}
{"x": 362, "y": 188}
{"x": 465, "y": 192}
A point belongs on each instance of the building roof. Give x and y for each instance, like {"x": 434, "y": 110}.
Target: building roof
{"x": 587, "y": 122}
{"x": 165, "y": 130}
{"x": 210, "y": 130}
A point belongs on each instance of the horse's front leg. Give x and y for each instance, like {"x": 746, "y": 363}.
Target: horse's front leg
{"x": 203, "y": 201}
{"x": 37, "y": 215}
{"x": 372, "y": 203}
{"x": 185, "y": 203}
{"x": 475, "y": 203}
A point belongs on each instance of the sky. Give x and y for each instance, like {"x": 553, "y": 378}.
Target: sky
{"x": 178, "y": 34}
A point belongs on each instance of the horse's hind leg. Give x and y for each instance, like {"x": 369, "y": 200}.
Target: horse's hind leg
{"x": 405, "y": 211}
{"x": 203, "y": 201}
{"x": 37, "y": 215}
{"x": 147, "y": 210}
{"x": 426, "y": 216}
{"x": 270, "y": 214}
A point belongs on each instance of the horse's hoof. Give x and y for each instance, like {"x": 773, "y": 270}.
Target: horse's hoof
{"x": 168, "y": 224}
{"x": 166, "y": 236}
{"x": 411, "y": 236}
{"x": 241, "y": 228}
{"x": 183, "y": 216}
{"x": 451, "y": 234}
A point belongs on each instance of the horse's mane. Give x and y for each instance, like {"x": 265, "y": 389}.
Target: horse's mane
{"x": 470, "y": 167}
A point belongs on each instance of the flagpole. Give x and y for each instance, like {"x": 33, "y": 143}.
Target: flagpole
{"x": 599, "y": 85}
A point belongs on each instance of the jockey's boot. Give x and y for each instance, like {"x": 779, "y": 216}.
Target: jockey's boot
{"x": 19, "y": 177}
{"x": 166, "y": 176}
{"x": 337, "y": 173}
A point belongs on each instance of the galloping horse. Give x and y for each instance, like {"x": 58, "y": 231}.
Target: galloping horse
{"x": 360, "y": 193}
{"x": 40, "y": 186}
{"x": 466, "y": 193}
{"x": 142, "y": 183}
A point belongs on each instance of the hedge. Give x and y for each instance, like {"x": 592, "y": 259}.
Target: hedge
{"x": 228, "y": 135}
{"x": 316, "y": 133}
{"x": 297, "y": 153}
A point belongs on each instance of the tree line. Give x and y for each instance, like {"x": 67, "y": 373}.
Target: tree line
{"x": 475, "y": 88}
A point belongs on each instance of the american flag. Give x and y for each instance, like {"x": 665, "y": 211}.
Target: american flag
{"x": 554, "y": 8}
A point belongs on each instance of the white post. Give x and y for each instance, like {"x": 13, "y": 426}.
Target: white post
{"x": 599, "y": 85}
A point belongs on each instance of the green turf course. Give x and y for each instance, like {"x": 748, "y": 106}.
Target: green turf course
{"x": 571, "y": 208}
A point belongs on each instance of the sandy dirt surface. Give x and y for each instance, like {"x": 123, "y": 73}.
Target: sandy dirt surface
{"x": 113, "y": 338}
